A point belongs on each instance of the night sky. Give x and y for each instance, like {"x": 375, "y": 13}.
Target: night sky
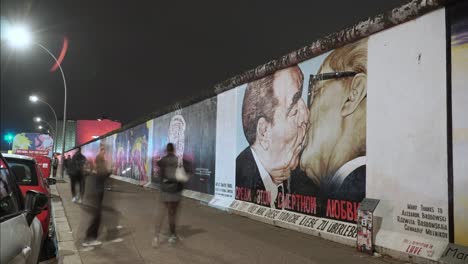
{"x": 129, "y": 58}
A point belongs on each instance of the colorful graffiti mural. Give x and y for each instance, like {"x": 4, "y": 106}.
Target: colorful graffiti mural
{"x": 33, "y": 143}
{"x": 193, "y": 132}
{"x": 305, "y": 144}
{"x": 304, "y": 149}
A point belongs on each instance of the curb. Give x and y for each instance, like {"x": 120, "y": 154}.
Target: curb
{"x": 67, "y": 253}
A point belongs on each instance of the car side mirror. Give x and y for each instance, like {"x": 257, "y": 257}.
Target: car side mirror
{"x": 34, "y": 203}
{"x": 51, "y": 181}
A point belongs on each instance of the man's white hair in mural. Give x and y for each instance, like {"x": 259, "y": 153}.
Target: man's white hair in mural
{"x": 177, "y": 134}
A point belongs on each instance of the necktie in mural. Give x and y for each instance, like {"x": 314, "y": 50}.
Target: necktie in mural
{"x": 278, "y": 200}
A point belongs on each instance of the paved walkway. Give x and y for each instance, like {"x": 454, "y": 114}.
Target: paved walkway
{"x": 209, "y": 235}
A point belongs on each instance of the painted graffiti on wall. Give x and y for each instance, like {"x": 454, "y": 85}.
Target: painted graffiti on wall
{"x": 302, "y": 136}
{"x": 193, "y": 132}
{"x": 90, "y": 151}
{"x": 423, "y": 220}
{"x": 347, "y": 231}
{"x": 121, "y": 154}
{"x": 298, "y": 147}
{"x": 226, "y": 139}
{"x": 129, "y": 153}
{"x": 459, "y": 32}
{"x": 33, "y": 143}
{"x": 138, "y": 153}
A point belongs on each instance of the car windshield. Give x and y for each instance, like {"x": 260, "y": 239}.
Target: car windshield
{"x": 24, "y": 171}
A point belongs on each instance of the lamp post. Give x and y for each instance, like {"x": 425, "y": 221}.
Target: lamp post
{"x": 38, "y": 120}
{"x": 34, "y": 99}
{"x": 19, "y": 36}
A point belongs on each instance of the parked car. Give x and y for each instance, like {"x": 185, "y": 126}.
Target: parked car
{"x": 20, "y": 229}
{"x": 29, "y": 176}
{"x": 45, "y": 164}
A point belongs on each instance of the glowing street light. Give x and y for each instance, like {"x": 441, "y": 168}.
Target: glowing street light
{"x": 19, "y": 36}
{"x": 33, "y": 98}
{"x": 37, "y": 119}
{"x": 40, "y": 127}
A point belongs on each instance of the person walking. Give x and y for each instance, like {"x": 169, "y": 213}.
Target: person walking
{"x": 170, "y": 191}
{"x": 55, "y": 163}
{"x": 103, "y": 171}
{"x": 66, "y": 161}
{"x": 75, "y": 171}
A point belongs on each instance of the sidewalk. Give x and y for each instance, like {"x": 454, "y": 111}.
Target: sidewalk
{"x": 209, "y": 235}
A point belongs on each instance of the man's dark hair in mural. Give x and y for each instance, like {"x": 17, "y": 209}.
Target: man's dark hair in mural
{"x": 334, "y": 156}
{"x": 274, "y": 118}
{"x": 259, "y": 101}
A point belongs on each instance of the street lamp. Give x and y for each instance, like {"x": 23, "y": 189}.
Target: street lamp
{"x": 35, "y": 99}
{"x": 40, "y": 127}
{"x": 19, "y": 36}
{"x": 38, "y": 120}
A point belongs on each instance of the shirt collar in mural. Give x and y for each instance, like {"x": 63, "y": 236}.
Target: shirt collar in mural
{"x": 345, "y": 170}
{"x": 270, "y": 186}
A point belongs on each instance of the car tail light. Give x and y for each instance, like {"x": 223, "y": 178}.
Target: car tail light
{"x": 2, "y": 164}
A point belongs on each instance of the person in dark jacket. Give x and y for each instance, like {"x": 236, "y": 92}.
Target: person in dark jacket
{"x": 67, "y": 161}
{"x": 75, "y": 171}
{"x": 171, "y": 191}
{"x": 55, "y": 163}
{"x": 96, "y": 196}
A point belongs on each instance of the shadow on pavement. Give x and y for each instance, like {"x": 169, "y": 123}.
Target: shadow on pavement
{"x": 188, "y": 231}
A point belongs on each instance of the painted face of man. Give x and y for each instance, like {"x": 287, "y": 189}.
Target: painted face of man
{"x": 289, "y": 124}
{"x": 325, "y": 125}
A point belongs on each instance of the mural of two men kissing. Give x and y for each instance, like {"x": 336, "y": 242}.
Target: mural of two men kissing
{"x": 302, "y": 139}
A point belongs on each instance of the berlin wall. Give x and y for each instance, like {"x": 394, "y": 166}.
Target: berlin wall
{"x": 377, "y": 110}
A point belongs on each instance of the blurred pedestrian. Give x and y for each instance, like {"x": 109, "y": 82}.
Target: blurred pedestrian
{"x": 98, "y": 179}
{"x": 75, "y": 171}
{"x": 66, "y": 162}
{"x": 55, "y": 163}
{"x": 172, "y": 185}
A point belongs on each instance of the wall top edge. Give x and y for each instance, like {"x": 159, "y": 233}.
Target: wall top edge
{"x": 404, "y": 13}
